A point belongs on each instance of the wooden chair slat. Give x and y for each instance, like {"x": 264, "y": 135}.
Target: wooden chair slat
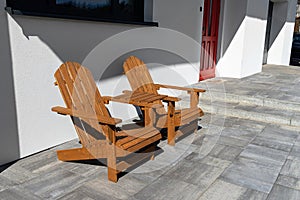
{"x": 143, "y": 143}
{"x": 79, "y": 98}
{"x": 137, "y": 140}
{"x": 64, "y": 90}
{"x": 134, "y": 135}
{"x": 153, "y": 99}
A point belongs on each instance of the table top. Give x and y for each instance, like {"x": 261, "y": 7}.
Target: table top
{"x": 138, "y": 98}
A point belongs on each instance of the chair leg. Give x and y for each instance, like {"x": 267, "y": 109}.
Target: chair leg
{"x": 112, "y": 166}
{"x": 171, "y": 123}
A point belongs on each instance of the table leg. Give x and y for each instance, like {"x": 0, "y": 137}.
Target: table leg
{"x": 171, "y": 123}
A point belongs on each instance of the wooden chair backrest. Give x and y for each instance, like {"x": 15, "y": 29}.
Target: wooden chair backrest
{"x": 138, "y": 75}
{"x": 80, "y": 92}
{"x": 140, "y": 79}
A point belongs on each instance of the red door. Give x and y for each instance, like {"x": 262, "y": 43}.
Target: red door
{"x": 209, "y": 39}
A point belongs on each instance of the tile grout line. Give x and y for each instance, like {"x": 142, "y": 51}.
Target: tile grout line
{"x": 230, "y": 165}
{"x": 281, "y": 169}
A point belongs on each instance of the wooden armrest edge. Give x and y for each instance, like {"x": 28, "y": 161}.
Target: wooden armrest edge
{"x": 179, "y": 88}
{"x": 75, "y": 113}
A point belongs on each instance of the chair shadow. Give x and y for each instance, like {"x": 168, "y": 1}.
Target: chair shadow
{"x": 103, "y": 161}
{"x": 185, "y": 134}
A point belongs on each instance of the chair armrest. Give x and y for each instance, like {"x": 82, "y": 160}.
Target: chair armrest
{"x": 168, "y": 98}
{"x": 158, "y": 86}
{"x": 76, "y": 113}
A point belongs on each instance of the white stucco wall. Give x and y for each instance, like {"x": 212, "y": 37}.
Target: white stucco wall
{"x": 280, "y": 50}
{"x": 34, "y": 64}
{"x": 284, "y": 13}
{"x": 254, "y": 41}
{"x": 242, "y": 38}
{"x": 37, "y": 46}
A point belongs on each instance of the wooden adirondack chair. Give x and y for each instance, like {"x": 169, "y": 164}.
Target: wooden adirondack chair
{"x": 140, "y": 80}
{"x": 95, "y": 127}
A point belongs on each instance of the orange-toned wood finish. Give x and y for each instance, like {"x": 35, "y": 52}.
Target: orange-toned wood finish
{"x": 95, "y": 127}
{"x": 141, "y": 81}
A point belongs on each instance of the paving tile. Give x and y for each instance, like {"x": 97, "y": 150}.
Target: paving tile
{"x": 253, "y": 195}
{"x": 227, "y": 191}
{"x": 268, "y": 110}
{"x": 278, "y": 133}
{"x": 280, "y": 192}
{"x": 216, "y": 162}
{"x": 233, "y": 141}
{"x": 254, "y": 170}
{"x": 249, "y": 125}
{"x": 85, "y": 193}
{"x": 15, "y": 193}
{"x": 168, "y": 188}
{"x": 290, "y": 182}
{"x": 265, "y": 155}
{"x": 225, "y": 152}
{"x": 84, "y": 169}
{"x": 127, "y": 185}
{"x": 18, "y": 174}
{"x": 218, "y": 120}
{"x": 297, "y": 143}
{"x": 295, "y": 152}
{"x": 273, "y": 143}
{"x": 195, "y": 173}
{"x": 152, "y": 166}
{"x": 147, "y": 177}
{"x": 5, "y": 183}
{"x": 211, "y": 129}
{"x": 54, "y": 184}
{"x": 40, "y": 162}
{"x": 290, "y": 98}
{"x": 240, "y": 179}
{"x": 291, "y": 168}
{"x": 206, "y": 144}
{"x": 172, "y": 155}
{"x": 239, "y": 132}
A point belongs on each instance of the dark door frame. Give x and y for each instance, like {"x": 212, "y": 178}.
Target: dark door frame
{"x": 209, "y": 45}
{"x": 268, "y": 32}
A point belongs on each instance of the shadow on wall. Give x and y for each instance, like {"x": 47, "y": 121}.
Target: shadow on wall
{"x": 73, "y": 40}
{"x": 256, "y": 9}
{"x": 280, "y": 17}
{"x": 70, "y": 40}
{"x": 234, "y": 13}
{"x": 231, "y": 22}
{"x": 156, "y": 57}
{"x": 9, "y": 143}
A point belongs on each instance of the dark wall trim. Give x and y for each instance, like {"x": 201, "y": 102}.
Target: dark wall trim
{"x": 18, "y": 12}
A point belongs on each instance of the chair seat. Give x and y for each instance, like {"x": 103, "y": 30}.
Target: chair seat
{"x": 136, "y": 139}
{"x": 182, "y": 117}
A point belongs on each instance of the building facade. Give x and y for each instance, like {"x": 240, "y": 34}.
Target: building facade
{"x": 32, "y": 48}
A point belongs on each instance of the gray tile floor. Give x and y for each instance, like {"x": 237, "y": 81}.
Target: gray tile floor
{"x": 229, "y": 158}
{"x": 275, "y": 82}
{"x": 237, "y": 159}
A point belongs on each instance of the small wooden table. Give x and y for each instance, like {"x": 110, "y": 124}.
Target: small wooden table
{"x": 149, "y": 102}
{"x": 139, "y": 98}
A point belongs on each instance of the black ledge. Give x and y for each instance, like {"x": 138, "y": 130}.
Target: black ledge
{"x": 19, "y": 12}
